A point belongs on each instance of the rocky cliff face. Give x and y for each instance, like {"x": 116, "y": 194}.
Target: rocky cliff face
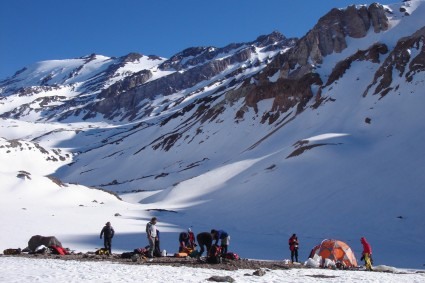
{"x": 329, "y": 36}
{"x": 193, "y": 68}
{"x": 406, "y": 59}
{"x": 295, "y": 68}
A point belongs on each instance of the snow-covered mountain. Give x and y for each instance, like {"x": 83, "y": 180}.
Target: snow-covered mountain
{"x": 319, "y": 136}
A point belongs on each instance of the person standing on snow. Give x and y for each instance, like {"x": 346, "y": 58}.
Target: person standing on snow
{"x": 293, "y": 247}
{"x": 157, "y": 251}
{"x": 224, "y": 237}
{"x": 151, "y": 233}
{"x": 366, "y": 254}
{"x": 108, "y": 233}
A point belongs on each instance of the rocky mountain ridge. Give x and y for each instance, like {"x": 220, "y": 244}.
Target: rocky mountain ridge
{"x": 189, "y": 72}
{"x": 201, "y": 85}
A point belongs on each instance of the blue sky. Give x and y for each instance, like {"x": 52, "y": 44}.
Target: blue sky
{"x": 37, "y": 30}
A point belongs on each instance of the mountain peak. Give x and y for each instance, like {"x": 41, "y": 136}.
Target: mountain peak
{"x": 268, "y": 39}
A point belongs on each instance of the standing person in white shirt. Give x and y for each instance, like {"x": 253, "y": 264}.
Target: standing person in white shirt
{"x": 151, "y": 233}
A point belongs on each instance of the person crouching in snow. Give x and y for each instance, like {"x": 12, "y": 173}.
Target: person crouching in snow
{"x": 108, "y": 233}
{"x": 183, "y": 241}
{"x": 366, "y": 254}
{"x": 186, "y": 240}
{"x": 293, "y": 247}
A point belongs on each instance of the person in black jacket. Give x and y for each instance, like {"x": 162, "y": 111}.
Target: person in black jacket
{"x": 204, "y": 239}
{"x": 108, "y": 233}
{"x": 183, "y": 241}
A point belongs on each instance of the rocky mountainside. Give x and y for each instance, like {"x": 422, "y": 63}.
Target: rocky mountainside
{"x": 270, "y": 81}
{"x": 124, "y": 88}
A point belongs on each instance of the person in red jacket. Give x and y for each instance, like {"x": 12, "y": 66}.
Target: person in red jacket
{"x": 366, "y": 254}
{"x": 293, "y": 247}
{"x": 192, "y": 243}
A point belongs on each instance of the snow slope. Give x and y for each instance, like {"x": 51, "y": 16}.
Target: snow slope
{"x": 46, "y": 270}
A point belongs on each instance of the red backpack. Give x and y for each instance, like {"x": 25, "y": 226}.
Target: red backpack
{"x": 58, "y": 250}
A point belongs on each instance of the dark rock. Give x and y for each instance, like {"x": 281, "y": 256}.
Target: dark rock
{"x": 377, "y": 15}
{"x": 221, "y": 279}
{"x": 24, "y": 175}
{"x": 259, "y": 272}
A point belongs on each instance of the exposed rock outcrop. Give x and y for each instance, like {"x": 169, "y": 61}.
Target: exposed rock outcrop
{"x": 401, "y": 61}
{"x": 191, "y": 67}
{"x": 372, "y": 54}
{"x": 296, "y": 67}
{"x": 329, "y": 36}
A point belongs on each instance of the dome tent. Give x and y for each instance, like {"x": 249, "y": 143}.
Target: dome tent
{"x": 335, "y": 250}
{"x": 38, "y": 240}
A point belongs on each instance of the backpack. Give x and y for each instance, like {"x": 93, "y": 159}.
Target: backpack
{"x": 58, "y": 250}
{"x": 141, "y": 251}
{"x": 232, "y": 256}
{"x": 214, "y": 255}
{"x": 102, "y": 251}
{"x": 127, "y": 255}
{"x": 12, "y": 251}
{"x": 195, "y": 253}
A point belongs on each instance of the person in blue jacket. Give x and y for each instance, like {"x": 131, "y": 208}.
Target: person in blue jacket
{"x": 224, "y": 238}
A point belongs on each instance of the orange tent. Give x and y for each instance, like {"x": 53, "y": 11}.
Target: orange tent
{"x": 335, "y": 250}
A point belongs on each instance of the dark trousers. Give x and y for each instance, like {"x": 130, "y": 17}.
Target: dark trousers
{"x": 224, "y": 249}
{"x": 201, "y": 245}
{"x": 107, "y": 242}
{"x": 294, "y": 253}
